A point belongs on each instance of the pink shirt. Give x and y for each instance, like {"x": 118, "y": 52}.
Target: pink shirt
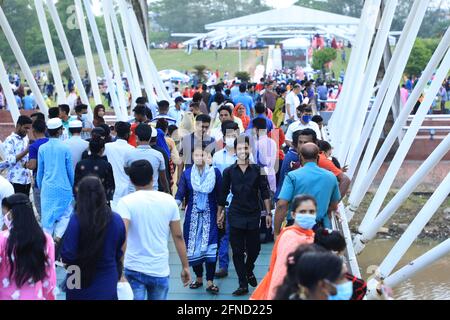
{"x": 404, "y": 94}
{"x": 43, "y": 290}
{"x": 288, "y": 243}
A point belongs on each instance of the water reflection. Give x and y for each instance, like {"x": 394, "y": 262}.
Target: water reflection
{"x": 432, "y": 283}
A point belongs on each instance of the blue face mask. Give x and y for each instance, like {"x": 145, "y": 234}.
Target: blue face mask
{"x": 305, "y": 221}
{"x": 344, "y": 291}
{"x": 83, "y": 117}
{"x": 306, "y": 119}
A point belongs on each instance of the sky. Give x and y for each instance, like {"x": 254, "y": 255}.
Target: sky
{"x": 280, "y": 3}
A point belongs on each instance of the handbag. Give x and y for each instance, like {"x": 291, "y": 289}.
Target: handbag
{"x": 124, "y": 291}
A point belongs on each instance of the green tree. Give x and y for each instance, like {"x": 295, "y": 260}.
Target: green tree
{"x": 244, "y": 76}
{"x": 200, "y": 71}
{"x": 191, "y": 16}
{"x": 346, "y": 7}
{"x": 420, "y": 56}
{"x": 322, "y": 57}
{"x": 435, "y": 23}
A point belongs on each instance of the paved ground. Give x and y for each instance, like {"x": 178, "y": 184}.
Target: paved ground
{"x": 226, "y": 285}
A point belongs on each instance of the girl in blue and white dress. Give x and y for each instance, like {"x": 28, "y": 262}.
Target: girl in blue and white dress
{"x": 200, "y": 186}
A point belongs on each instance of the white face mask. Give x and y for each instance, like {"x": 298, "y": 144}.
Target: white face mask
{"x": 229, "y": 141}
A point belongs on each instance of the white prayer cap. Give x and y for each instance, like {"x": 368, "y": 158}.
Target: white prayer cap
{"x": 75, "y": 124}
{"x": 54, "y": 123}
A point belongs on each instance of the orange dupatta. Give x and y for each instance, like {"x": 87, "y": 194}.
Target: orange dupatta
{"x": 245, "y": 118}
{"x": 262, "y": 291}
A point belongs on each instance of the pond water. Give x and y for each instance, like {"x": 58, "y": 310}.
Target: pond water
{"x": 432, "y": 283}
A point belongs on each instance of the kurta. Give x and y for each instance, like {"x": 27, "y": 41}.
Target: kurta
{"x": 55, "y": 178}
{"x": 199, "y": 229}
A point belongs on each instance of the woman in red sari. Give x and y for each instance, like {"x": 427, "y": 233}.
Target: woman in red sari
{"x": 240, "y": 112}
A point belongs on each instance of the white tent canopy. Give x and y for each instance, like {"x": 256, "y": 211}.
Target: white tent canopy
{"x": 293, "y": 16}
{"x": 279, "y": 23}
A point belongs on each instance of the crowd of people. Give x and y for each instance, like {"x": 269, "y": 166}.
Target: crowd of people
{"x": 439, "y": 103}
{"x": 243, "y": 164}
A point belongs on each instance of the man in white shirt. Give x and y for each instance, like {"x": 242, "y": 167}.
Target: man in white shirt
{"x": 115, "y": 152}
{"x": 292, "y": 103}
{"x": 76, "y": 144}
{"x": 143, "y": 151}
{"x": 81, "y": 114}
{"x": 176, "y": 112}
{"x": 305, "y": 114}
{"x": 150, "y": 217}
{"x": 163, "y": 107}
{"x": 72, "y": 99}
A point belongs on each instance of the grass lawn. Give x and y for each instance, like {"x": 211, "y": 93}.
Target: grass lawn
{"x": 339, "y": 65}
{"x": 223, "y": 60}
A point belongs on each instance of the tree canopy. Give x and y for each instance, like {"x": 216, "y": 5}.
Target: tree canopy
{"x": 191, "y": 16}
{"x": 435, "y": 23}
{"x": 22, "y": 17}
{"x": 420, "y": 56}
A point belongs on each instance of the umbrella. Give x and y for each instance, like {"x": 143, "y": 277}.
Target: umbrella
{"x": 173, "y": 75}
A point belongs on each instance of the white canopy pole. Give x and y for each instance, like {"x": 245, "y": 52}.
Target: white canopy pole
{"x": 130, "y": 50}
{"x": 355, "y": 72}
{"x": 115, "y": 62}
{"x": 370, "y": 77}
{"x": 370, "y": 232}
{"x": 22, "y": 62}
{"x": 141, "y": 52}
{"x": 352, "y": 65}
{"x": 150, "y": 66}
{"x": 418, "y": 264}
{"x": 88, "y": 51}
{"x": 9, "y": 95}
{"x": 61, "y": 99}
{"x": 415, "y": 228}
{"x": 406, "y": 143}
{"x": 134, "y": 89}
{"x": 104, "y": 62}
{"x": 391, "y": 81}
{"x": 363, "y": 182}
{"x": 69, "y": 56}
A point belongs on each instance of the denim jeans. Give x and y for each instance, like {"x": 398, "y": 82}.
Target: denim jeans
{"x": 156, "y": 288}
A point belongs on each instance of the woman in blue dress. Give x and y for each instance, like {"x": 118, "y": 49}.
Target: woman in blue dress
{"x": 93, "y": 243}
{"x": 200, "y": 186}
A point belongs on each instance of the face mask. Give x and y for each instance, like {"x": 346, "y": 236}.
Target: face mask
{"x": 229, "y": 141}
{"x": 344, "y": 291}
{"x": 8, "y": 223}
{"x": 305, "y": 221}
{"x": 83, "y": 117}
{"x": 306, "y": 119}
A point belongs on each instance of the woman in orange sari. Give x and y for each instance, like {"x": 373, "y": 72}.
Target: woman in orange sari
{"x": 240, "y": 112}
{"x": 304, "y": 212}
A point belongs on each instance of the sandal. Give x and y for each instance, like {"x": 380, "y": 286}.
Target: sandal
{"x": 196, "y": 285}
{"x": 213, "y": 289}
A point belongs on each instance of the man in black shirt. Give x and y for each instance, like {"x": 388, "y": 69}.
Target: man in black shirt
{"x": 248, "y": 184}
